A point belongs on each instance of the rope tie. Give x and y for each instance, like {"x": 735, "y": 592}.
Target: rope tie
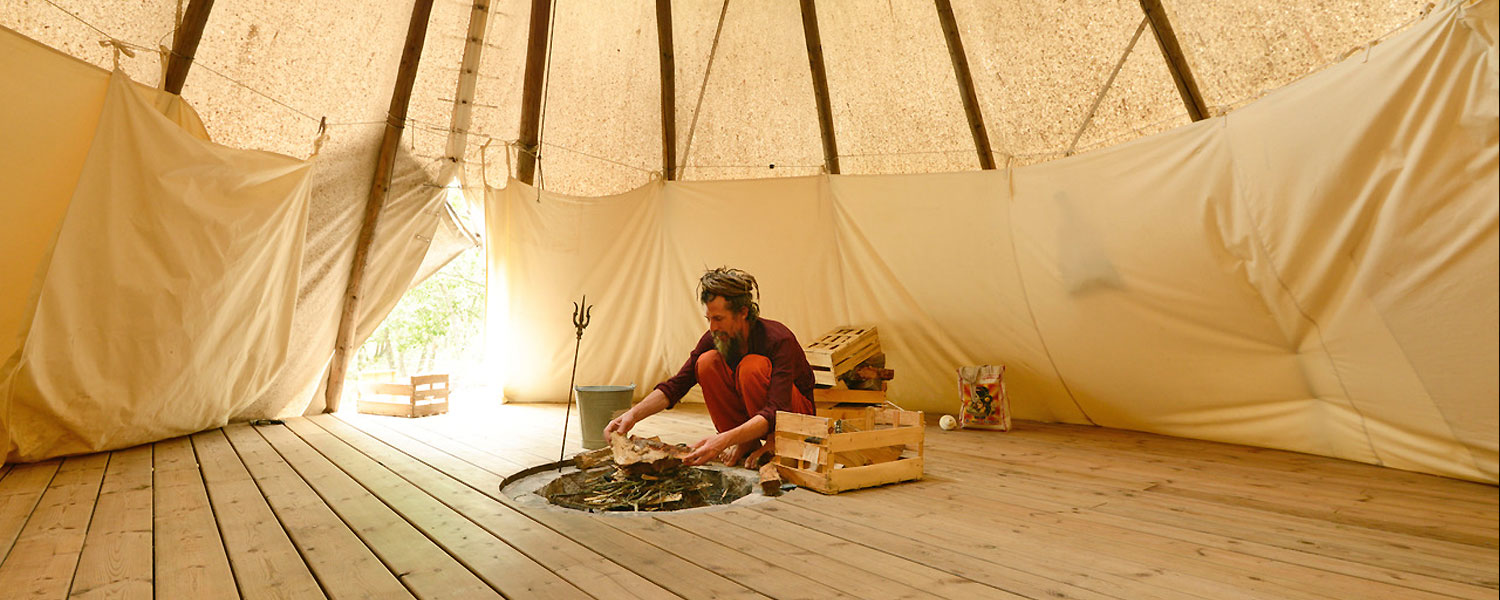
{"x": 164, "y": 55}
{"x": 484, "y": 163}
{"x": 508, "y": 146}
{"x": 1010, "y": 176}
{"x": 322, "y": 137}
{"x": 119, "y": 46}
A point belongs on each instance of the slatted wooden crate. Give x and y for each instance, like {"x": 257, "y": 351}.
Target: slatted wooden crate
{"x": 841, "y": 395}
{"x": 426, "y": 395}
{"x": 875, "y": 447}
{"x": 840, "y": 351}
{"x": 839, "y": 402}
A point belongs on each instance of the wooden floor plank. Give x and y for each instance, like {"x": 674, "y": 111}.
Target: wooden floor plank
{"x": 845, "y": 577}
{"x": 494, "y": 460}
{"x": 190, "y": 558}
{"x": 533, "y": 433}
{"x": 745, "y": 569}
{"x": 1172, "y": 525}
{"x": 117, "y": 559}
{"x": 20, "y": 491}
{"x": 993, "y": 567}
{"x": 1256, "y": 532}
{"x": 1214, "y": 572}
{"x": 531, "y": 439}
{"x": 969, "y": 529}
{"x": 1040, "y": 512}
{"x": 1279, "y": 465}
{"x": 421, "y": 565}
{"x": 501, "y": 566}
{"x": 909, "y": 572}
{"x": 45, "y": 555}
{"x": 265, "y": 562}
{"x": 583, "y": 567}
{"x": 1328, "y": 539}
{"x": 344, "y": 567}
{"x": 1049, "y": 481}
{"x": 668, "y": 571}
{"x": 1371, "y": 501}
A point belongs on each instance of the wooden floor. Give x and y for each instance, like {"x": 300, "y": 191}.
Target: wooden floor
{"x": 379, "y": 507}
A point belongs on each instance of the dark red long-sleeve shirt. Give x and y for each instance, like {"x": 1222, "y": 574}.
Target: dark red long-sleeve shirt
{"x": 789, "y": 368}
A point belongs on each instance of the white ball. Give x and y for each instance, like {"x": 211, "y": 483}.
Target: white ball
{"x": 948, "y": 423}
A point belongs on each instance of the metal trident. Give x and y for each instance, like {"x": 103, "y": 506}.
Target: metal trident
{"x": 581, "y": 315}
{"x": 581, "y": 320}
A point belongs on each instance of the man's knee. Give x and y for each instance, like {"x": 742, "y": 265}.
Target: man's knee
{"x": 754, "y": 367}
{"x": 708, "y": 361}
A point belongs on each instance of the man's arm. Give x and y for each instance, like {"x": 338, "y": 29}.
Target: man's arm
{"x": 711, "y": 447}
{"x": 653, "y": 403}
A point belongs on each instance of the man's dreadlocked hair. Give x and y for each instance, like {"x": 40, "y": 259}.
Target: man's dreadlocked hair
{"x": 737, "y": 287}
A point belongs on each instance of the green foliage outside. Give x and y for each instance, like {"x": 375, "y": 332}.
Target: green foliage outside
{"x": 437, "y": 327}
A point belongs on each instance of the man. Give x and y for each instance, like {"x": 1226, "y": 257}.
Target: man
{"x": 749, "y": 368}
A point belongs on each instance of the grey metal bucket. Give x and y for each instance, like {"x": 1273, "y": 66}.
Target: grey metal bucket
{"x": 597, "y": 406}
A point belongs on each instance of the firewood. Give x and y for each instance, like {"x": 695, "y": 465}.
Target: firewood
{"x": 770, "y": 480}
{"x": 593, "y": 458}
{"x": 637, "y": 455}
{"x": 869, "y": 375}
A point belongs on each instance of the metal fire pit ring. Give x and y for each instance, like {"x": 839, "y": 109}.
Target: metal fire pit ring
{"x": 522, "y": 487}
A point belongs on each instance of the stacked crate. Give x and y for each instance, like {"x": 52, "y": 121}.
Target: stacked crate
{"x": 836, "y": 358}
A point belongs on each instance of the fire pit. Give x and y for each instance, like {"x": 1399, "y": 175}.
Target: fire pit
{"x": 634, "y": 475}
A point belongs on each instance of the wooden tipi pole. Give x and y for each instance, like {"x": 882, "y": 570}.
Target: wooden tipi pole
{"x": 531, "y": 91}
{"x": 668, "y": 90}
{"x": 185, "y": 44}
{"x": 395, "y": 122}
{"x": 820, "y": 84}
{"x": 468, "y": 76}
{"x": 965, "y": 84}
{"x": 1176, "y": 62}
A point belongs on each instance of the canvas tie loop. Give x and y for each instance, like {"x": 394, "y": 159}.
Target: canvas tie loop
{"x": 118, "y": 46}
{"x": 322, "y": 137}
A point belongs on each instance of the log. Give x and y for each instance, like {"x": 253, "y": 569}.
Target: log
{"x": 770, "y": 479}
{"x": 642, "y": 455}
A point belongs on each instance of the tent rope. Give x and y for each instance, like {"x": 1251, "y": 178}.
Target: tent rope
{"x": 1108, "y": 83}
{"x": 541, "y": 129}
{"x": 713, "y": 51}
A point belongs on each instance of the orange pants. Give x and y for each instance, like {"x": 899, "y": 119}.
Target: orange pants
{"x": 735, "y": 395}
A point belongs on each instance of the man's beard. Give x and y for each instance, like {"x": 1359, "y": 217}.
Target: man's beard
{"x": 728, "y": 346}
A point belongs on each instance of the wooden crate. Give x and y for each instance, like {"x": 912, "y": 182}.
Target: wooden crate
{"x": 873, "y": 447}
{"x": 426, "y": 395}
{"x": 840, "y": 403}
{"x": 843, "y": 395}
{"x": 840, "y": 351}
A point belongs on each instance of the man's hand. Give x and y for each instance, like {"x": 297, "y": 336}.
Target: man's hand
{"x": 620, "y": 424}
{"x": 767, "y": 451}
{"x": 706, "y": 449}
